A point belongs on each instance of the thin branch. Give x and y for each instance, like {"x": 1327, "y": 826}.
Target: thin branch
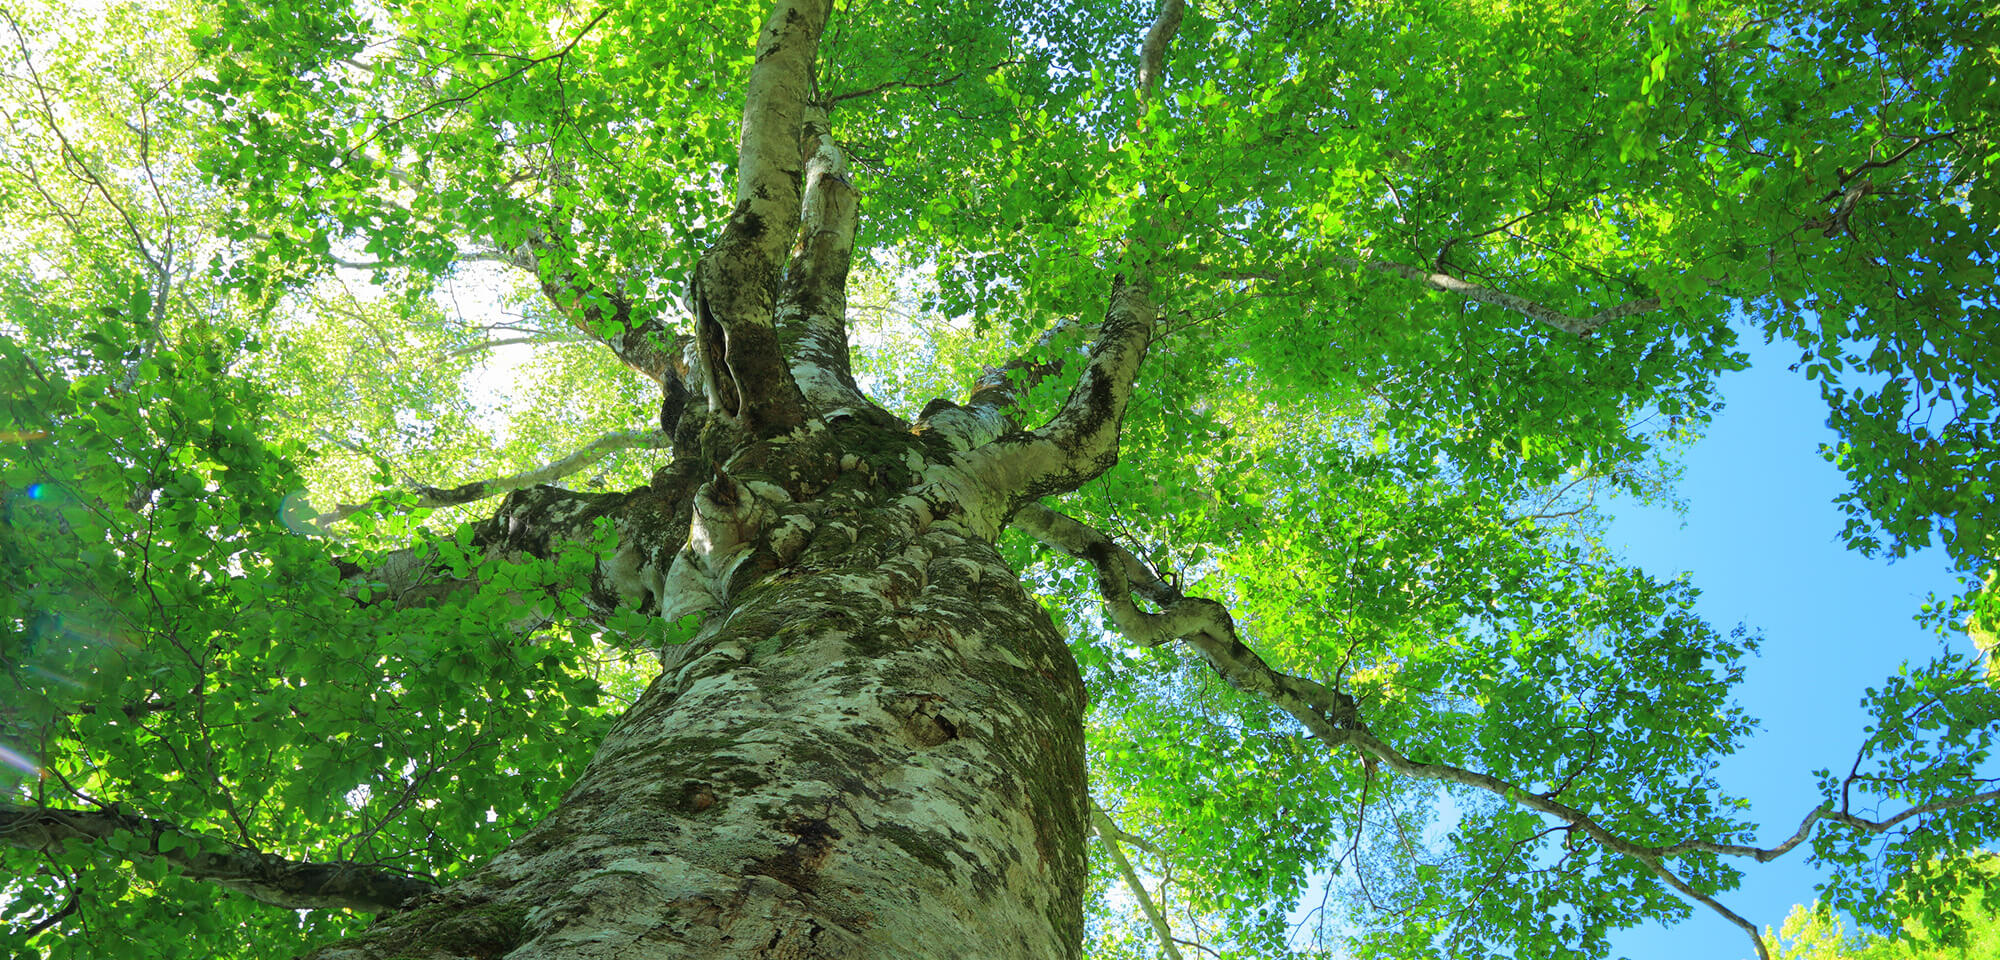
{"x": 266, "y": 878}
{"x": 1110, "y": 834}
{"x": 1118, "y": 835}
{"x": 55, "y": 917}
{"x": 527, "y": 63}
{"x": 1750, "y": 929}
{"x": 72, "y": 157}
{"x": 1915, "y": 145}
{"x": 1538, "y": 312}
{"x": 589, "y": 453}
{"x": 538, "y": 338}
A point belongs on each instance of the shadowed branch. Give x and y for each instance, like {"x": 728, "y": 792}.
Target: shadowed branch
{"x": 266, "y": 878}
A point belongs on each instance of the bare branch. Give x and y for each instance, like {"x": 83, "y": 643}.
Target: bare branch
{"x": 266, "y": 878}
{"x": 538, "y": 338}
{"x": 589, "y": 453}
{"x": 1111, "y": 835}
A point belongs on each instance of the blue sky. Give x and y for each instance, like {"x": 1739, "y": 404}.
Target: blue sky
{"x": 1761, "y": 537}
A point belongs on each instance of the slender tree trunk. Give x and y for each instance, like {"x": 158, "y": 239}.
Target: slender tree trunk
{"x": 873, "y": 748}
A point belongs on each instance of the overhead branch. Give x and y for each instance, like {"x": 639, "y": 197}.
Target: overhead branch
{"x": 1111, "y": 835}
{"x": 1915, "y": 144}
{"x": 649, "y": 524}
{"x": 996, "y": 396}
{"x": 1081, "y": 440}
{"x": 1204, "y": 624}
{"x": 522, "y": 65}
{"x": 735, "y": 289}
{"x": 641, "y": 340}
{"x": 1332, "y": 716}
{"x": 888, "y": 85}
{"x": 266, "y": 878}
{"x": 1153, "y": 53}
{"x": 157, "y": 256}
{"x": 590, "y": 453}
{"x": 1538, "y": 312}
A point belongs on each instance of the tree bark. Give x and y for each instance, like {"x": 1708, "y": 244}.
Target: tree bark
{"x": 873, "y": 747}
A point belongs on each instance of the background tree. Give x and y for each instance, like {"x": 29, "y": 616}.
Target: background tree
{"x": 1958, "y": 927}
{"x": 1284, "y": 352}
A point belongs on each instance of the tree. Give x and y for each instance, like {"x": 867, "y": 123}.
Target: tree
{"x": 1283, "y": 351}
{"x": 1964, "y": 926}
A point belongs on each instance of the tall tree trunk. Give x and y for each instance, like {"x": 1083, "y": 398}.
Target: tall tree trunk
{"x": 872, "y": 748}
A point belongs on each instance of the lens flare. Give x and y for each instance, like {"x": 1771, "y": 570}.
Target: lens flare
{"x": 19, "y": 762}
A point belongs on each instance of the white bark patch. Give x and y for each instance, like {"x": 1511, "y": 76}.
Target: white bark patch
{"x": 966, "y": 427}
{"x": 628, "y": 574}
{"x": 686, "y": 589}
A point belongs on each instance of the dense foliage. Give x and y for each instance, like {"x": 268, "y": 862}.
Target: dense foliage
{"x": 1437, "y": 276}
{"x": 1959, "y": 929}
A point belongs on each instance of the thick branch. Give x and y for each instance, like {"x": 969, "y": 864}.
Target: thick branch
{"x": 735, "y": 290}
{"x": 266, "y": 878}
{"x": 996, "y": 396}
{"x": 592, "y": 452}
{"x": 812, "y": 306}
{"x": 1081, "y": 440}
{"x": 1204, "y": 624}
{"x": 650, "y": 524}
{"x": 1153, "y": 53}
{"x": 1110, "y": 834}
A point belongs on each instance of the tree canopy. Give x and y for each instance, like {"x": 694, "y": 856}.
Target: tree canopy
{"x": 295, "y": 291}
{"x": 1961, "y": 929}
